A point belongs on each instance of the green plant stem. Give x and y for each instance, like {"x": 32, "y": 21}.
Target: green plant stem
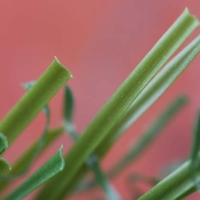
{"x": 185, "y": 24}
{"x": 154, "y": 90}
{"x": 34, "y": 100}
{"x": 150, "y": 94}
{"x": 101, "y": 179}
{"x": 111, "y": 113}
{"x": 145, "y": 140}
{"x": 175, "y": 186}
{"x": 53, "y": 166}
{"x": 25, "y": 158}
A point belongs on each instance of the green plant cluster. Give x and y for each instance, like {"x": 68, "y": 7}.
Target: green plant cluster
{"x": 63, "y": 175}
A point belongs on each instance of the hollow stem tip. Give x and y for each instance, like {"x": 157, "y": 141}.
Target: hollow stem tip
{"x": 28, "y": 107}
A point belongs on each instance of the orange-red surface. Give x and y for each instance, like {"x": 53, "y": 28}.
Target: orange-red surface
{"x": 101, "y": 42}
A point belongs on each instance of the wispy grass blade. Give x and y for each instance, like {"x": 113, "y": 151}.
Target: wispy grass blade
{"x": 4, "y": 166}
{"x": 195, "y": 150}
{"x": 175, "y": 186}
{"x": 111, "y": 113}
{"x": 46, "y": 87}
{"x": 68, "y": 104}
{"x": 53, "y": 166}
{"x": 101, "y": 179}
{"x": 92, "y": 161}
{"x": 149, "y": 136}
{"x": 69, "y": 108}
{"x": 24, "y": 162}
{"x": 3, "y": 143}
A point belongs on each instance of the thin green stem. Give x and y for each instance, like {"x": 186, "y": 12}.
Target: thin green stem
{"x": 101, "y": 179}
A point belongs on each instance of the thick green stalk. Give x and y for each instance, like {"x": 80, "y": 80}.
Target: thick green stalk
{"x": 25, "y": 159}
{"x": 145, "y": 139}
{"x": 150, "y": 94}
{"x": 111, "y": 113}
{"x": 34, "y": 100}
{"x": 175, "y": 186}
{"x": 147, "y": 97}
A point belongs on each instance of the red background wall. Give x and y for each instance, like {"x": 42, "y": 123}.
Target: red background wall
{"x": 101, "y": 42}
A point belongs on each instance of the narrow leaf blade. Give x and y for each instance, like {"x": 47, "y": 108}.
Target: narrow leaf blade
{"x": 53, "y": 166}
{"x": 101, "y": 179}
{"x": 69, "y": 104}
{"x": 24, "y": 160}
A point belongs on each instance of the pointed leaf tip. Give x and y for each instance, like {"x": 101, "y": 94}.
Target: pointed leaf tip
{"x": 4, "y": 166}
{"x": 3, "y": 143}
{"x": 62, "y": 166}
